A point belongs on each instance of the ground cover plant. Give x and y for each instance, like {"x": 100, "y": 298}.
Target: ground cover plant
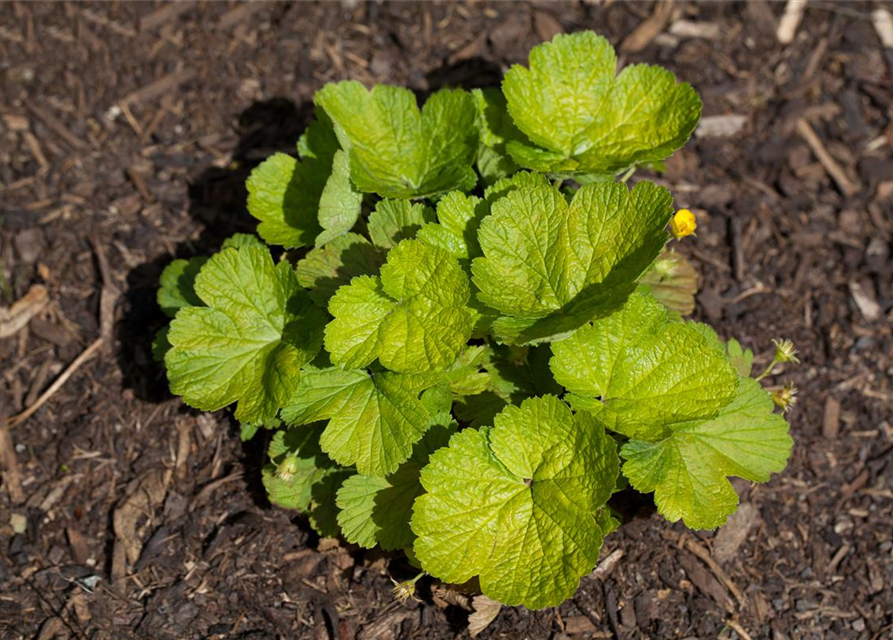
{"x": 472, "y": 333}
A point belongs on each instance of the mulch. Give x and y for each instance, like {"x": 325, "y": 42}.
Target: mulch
{"x": 126, "y": 133}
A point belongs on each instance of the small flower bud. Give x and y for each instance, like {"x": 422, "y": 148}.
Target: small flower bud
{"x": 786, "y": 397}
{"x": 785, "y": 351}
{"x": 683, "y": 224}
{"x": 287, "y": 468}
{"x": 404, "y": 591}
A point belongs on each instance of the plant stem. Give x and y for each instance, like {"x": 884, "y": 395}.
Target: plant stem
{"x": 768, "y": 370}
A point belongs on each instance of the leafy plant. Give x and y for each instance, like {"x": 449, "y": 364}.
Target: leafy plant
{"x": 476, "y": 337}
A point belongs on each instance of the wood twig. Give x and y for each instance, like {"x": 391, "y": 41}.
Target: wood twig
{"x": 847, "y": 186}
{"x": 86, "y": 354}
{"x": 705, "y": 556}
{"x": 790, "y": 21}
{"x": 9, "y": 464}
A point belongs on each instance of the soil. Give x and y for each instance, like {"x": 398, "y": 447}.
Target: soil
{"x": 126, "y": 133}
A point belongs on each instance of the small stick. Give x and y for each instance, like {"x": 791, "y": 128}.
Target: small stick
{"x": 787, "y": 26}
{"x": 739, "y": 629}
{"x": 56, "y": 125}
{"x": 86, "y": 354}
{"x": 131, "y": 120}
{"x": 826, "y": 159}
{"x": 9, "y": 464}
{"x": 704, "y": 555}
{"x": 165, "y": 14}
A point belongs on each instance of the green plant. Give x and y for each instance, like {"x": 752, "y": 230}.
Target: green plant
{"x": 461, "y": 353}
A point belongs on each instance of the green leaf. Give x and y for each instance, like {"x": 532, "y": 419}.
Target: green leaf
{"x": 580, "y": 118}
{"x": 324, "y": 509}
{"x": 396, "y": 220}
{"x": 686, "y": 468}
{"x": 374, "y": 418}
{"x": 674, "y": 281}
{"x": 339, "y": 203}
{"x": 742, "y": 359}
{"x": 550, "y": 266}
{"x": 284, "y": 193}
{"x": 518, "y": 505}
{"x": 413, "y": 318}
{"x": 641, "y": 373}
{"x": 247, "y": 431}
{"x": 312, "y": 481}
{"x": 398, "y": 151}
{"x": 292, "y": 490}
{"x": 178, "y": 285}
{"x": 459, "y": 217}
{"x": 466, "y": 376}
{"x": 496, "y": 128}
{"x": 324, "y": 269}
{"x": 160, "y": 344}
{"x": 239, "y": 240}
{"x": 521, "y": 180}
{"x": 376, "y": 510}
{"x": 249, "y": 343}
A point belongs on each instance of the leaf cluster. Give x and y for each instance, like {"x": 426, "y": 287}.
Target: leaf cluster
{"x": 474, "y": 334}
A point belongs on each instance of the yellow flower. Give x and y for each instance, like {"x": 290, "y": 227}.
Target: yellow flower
{"x": 683, "y": 224}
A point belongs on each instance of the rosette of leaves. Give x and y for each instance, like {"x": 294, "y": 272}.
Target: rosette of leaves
{"x": 453, "y": 351}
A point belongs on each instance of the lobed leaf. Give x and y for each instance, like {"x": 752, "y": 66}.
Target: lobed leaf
{"x": 306, "y": 201}
{"x": 374, "y": 418}
{"x": 397, "y": 150}
{"x": 250, "y": 341}
{"x": 413, "y": 318}
{"x": 581, "y": 118}
{"x": 640, "y": 373}
{"x": 177, "y": 288}
{"x": 550, "y": 266}
{"x": 686, "y": 466}
{"x": 518, "y": 505}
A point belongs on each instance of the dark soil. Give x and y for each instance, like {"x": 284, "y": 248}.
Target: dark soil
{"x": 126, "y": 132}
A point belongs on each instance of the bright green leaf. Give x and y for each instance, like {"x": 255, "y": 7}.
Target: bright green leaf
{"x": 396, "y": 220}
{"x": 550, "y": 266}
{"x": 339, "y": 202}
{"x": 178, "y": 285}
{"x": 249, "y": 343}
{"x": 518, "y": 505}
{"x": 374, "y": 418}
{"x": 459, "y": 217}
{"x": 413, "y": 318}
{"x": 641, "y": 373}
{"x": 324, "y": 269}
{"x": 239, "y": 240}
{"x": 397, "y": 150}
{"x": 581, "y": 118}
{"x": 284, "y": 193}
{"x": 686, "y": 468}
